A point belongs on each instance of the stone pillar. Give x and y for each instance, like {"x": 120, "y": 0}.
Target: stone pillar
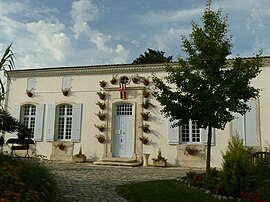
{"x": 145, "y": 159}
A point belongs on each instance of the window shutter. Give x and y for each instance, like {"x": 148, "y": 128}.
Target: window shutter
{"x": 66, "y": 82}
{"x": 205, "y": 136}
{"x": 250, "y": 122}
{"x": 76, "y": 122}
{"x": 31, "y": 84}
{"x": 173, "y": 133}
{"x": 16, "y": 114}
{"x": 38, "y": 132}
{"x": 50, "y": 122}
{"x": 238, "y": 125}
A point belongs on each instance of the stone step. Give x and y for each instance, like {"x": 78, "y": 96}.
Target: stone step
{"x": 118, "y": 163}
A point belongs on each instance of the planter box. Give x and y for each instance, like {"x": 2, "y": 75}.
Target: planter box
{"x": 159, "y": 163}
{"x": 77, "y": 159}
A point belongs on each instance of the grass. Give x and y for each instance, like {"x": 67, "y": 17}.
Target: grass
{"x": 162, "y": 190}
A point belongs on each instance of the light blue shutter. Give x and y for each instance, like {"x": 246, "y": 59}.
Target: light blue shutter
{"x": 250, "y": 122}
{"x": 66, "y": 82}
{"x": 16, "y": 114}
{"x": 238, "y": 125}
{"x": 173, "y": 133}
{"x": 50, "y": 122}
{"x": 31, "y": 84}
{"x": 38, "y": 132}
{"x": 205, "y": 136}
{"x": 76, "y": 122}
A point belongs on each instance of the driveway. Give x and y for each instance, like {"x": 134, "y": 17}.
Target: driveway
{"x": 88, "y": 182}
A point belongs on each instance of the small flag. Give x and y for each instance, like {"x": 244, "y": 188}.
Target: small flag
{"x": 122, "y": 89}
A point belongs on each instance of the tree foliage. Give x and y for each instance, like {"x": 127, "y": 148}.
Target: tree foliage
{"x": 236, "y": 169}
{"x": 207, "y": 87}
{"x": 152, "y": 57}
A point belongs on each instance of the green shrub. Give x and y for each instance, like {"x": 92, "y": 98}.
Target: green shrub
{"x": 236, "y": 169}
{"x": 25, "y": 180}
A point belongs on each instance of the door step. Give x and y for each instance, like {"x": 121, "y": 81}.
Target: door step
{"x": 118, "y": 162}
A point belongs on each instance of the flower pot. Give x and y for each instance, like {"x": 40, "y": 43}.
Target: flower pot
{"x": 102, "y": 84}
{"x": 144, "y": 140}
{"x": 145, "y": 116}
{"x": 102, "y": 96}
{"x": 135, "y": 80}
{"x": 102, "y": 106}
{"x": 146, "y": 82}
{"x": 146, "y": 94}
{"x": 29, "y": 94}
{"x": 113, "y": 81}
{"x": 159, "y": 162}
{"x": 101, "y": 140}
{"x": 65, "y": 93}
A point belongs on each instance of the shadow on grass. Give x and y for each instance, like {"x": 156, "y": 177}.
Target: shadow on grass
{"x": 162, "y": 190}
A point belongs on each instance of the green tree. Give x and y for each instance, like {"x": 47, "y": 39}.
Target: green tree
{"x": 152, "y": 57}
{"x": 206, "y": 87}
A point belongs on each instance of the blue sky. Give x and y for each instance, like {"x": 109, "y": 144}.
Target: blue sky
{"x": 52, "y": 33}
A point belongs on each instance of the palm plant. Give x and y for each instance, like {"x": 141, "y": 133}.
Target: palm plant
{"x": 10, "y": 124}
{"x": 7, "y": 122}
{"x": 6, "y": 63}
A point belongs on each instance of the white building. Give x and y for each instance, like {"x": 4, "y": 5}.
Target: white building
{"x": 71, "y": 120}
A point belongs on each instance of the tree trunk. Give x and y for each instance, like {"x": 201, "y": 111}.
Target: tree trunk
{"x": 208, "y": 157}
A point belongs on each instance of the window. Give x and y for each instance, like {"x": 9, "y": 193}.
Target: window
{"x": 124, "y": 80}
{"x": 190, "y": 133}
{"x": 28, "y": 117}
{"x": 64, "y": 122}
{"x": 64, "y": 127}
{"x": 246, "y": 126}
{"x": 32, "y": 117}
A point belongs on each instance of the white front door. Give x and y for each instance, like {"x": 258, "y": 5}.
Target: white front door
{"x": 123, "y": 131}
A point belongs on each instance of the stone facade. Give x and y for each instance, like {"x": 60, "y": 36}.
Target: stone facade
{"x": 83, "y": 84}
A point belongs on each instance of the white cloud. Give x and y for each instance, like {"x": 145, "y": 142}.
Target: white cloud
{"x": 121, "y": 55}
{"x": 164, "y": 17}
{"x": 10, "y": 27}
{"x": 11, "y": 7}
{"x": 51, "y": 37}
{"x": 82, "y": 13}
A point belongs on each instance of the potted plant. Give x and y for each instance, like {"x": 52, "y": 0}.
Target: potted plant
{"x": 146, "y": 94}
{"x": 61, "y": 146}
{"x": 114, "y": 79}
{"x": 145, "y": 81}
{"x": 144, "y": 139}
{"x": 159, "y": 161}
{"x": 145, "y": 115}
{"x": 135, "y": 78}
{"x": 80, "y": 157}
{"x": 65, "y": 91}
{"x": 102, "y": 83}
{"x": 101, "y": 105}
{"x": 192, "y": 151}
{"x": 101, "y": 115}
{"x": 146, "y": 104}
{"x": 29, "y": 93}
{"x": 102, "y": 95}
{"x": 145, "y": 128}
{"x": 101, "y": 128}
{"x": 100, "y": 138}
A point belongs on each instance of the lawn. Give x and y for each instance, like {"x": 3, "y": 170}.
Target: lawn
{"x": 162, "y": 190}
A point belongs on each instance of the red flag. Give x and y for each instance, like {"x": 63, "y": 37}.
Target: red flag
{"x": 122, "y": 89}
